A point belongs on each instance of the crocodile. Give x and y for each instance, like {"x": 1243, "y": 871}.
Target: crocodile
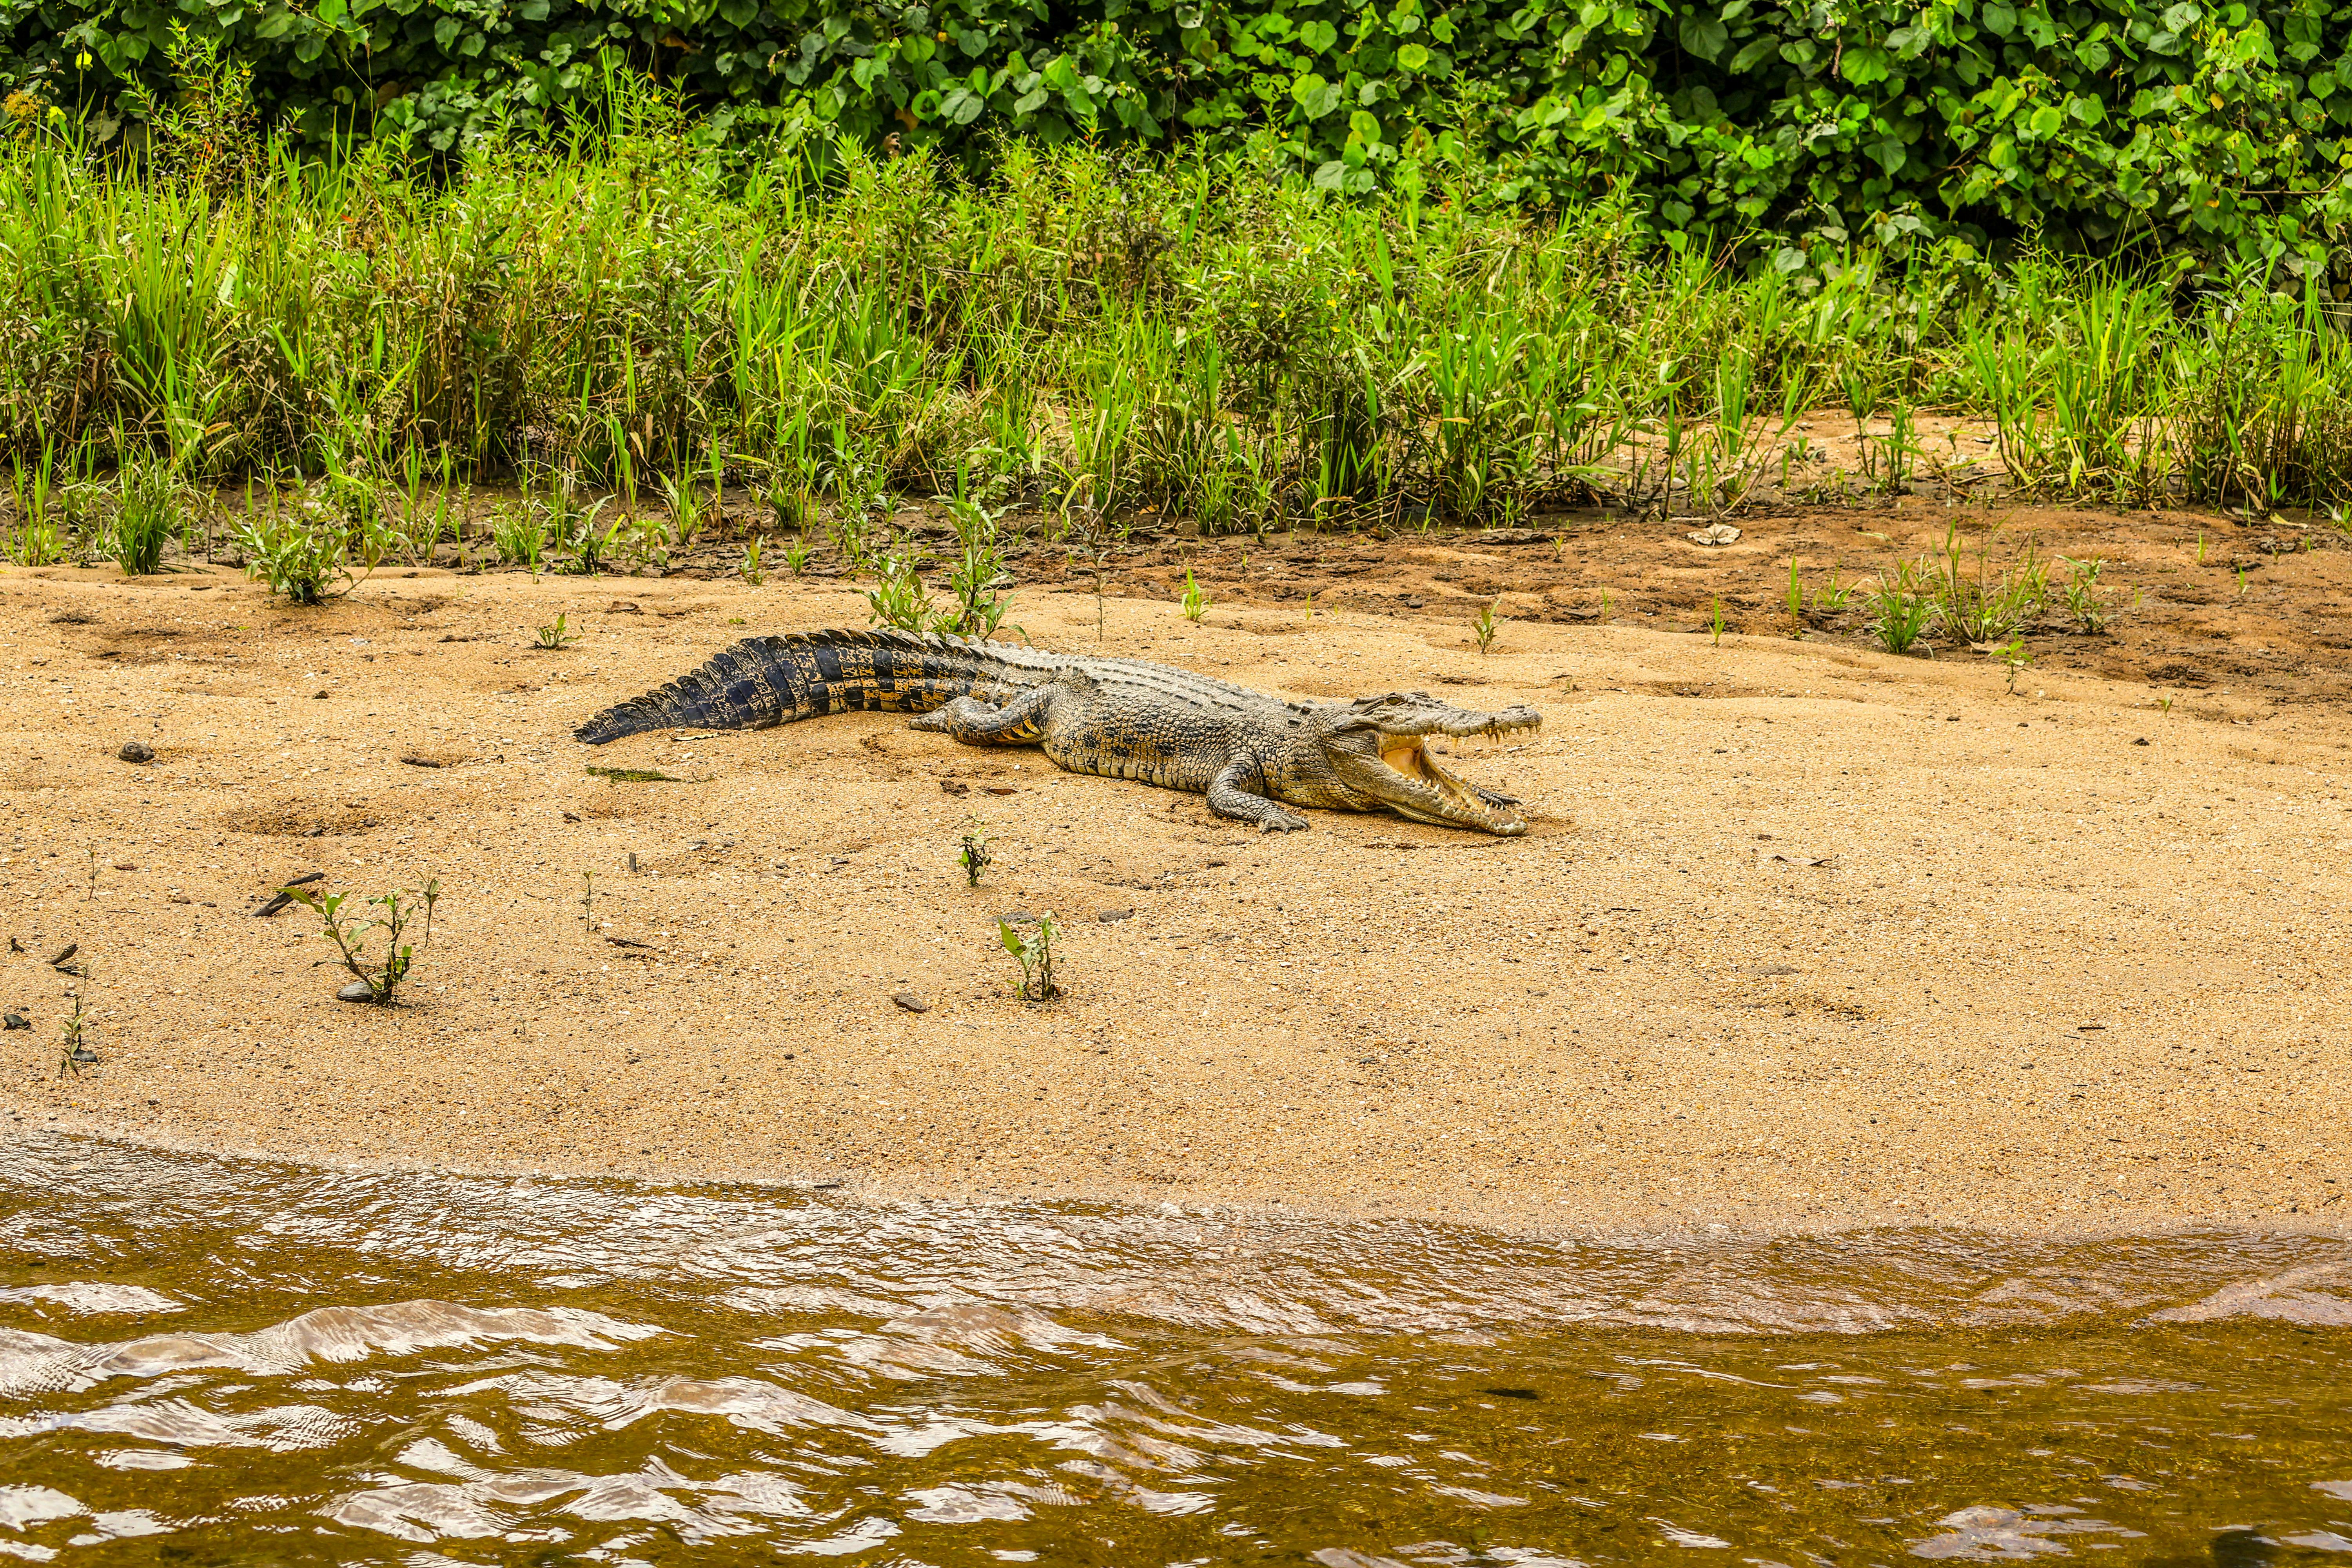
{"x": 1251, "y": 754}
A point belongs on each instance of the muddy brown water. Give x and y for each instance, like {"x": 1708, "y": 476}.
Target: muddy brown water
{"x": 214, "y": 1361}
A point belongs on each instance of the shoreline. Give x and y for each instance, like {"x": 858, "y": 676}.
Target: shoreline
{"x": 1834, "y": 941}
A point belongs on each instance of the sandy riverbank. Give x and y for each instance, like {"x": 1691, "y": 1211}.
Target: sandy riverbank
{"x": 1804, "y": 936}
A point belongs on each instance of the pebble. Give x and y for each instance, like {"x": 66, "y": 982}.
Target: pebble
{"x": 911, "y": 1002}
{"x": 357, "y": 991}
{"x": 1109, "y": 916}
{"x": 136, "y": 751}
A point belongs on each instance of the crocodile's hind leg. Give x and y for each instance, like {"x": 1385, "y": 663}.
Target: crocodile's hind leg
{"x": 1020, "y": 722}
{"x": 1229, "y": 797}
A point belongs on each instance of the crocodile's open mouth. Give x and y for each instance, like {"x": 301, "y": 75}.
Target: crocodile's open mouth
{"x": 1431, "y": 795}
{"x": 1387, "y": 758}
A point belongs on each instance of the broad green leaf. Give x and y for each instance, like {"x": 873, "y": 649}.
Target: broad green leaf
{"x": 1703, "y": 36}
{"x": 1319, "y": 36}
{"x": 1865, "y": 64}
{"x": 1414, "y": 57}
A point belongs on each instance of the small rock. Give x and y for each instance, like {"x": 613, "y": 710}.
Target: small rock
{"x": 1718, "y": 533}
{"x": 1018, "y": 918}
{"x": 71, "y": 947}
{"x": 1108, "y": 917}
{"x": 357, "y": 991}
{"x": 911, "y": 1002}
{"x": 2141, "y": 742}
{"x": 624, "y": 607}
{"x": 136, "y": 751}
{"x": 180, "y": 899}
{"x": 16, "y": 1021}
{"x": 1000, "y": 789}
{"x": 83, "y": 1056}
{"x": 125, "y": 865}
{"x": 317, "y": 697}
{"x": 954, "y": 786}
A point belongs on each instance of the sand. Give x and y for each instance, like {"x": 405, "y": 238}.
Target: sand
{"x": 1803, "y": 936}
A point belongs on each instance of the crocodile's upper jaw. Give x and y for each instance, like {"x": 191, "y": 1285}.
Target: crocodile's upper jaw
{"x": 1382, "y": 751}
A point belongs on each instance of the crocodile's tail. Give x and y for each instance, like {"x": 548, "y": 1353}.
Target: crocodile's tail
{"x": 764, "y": 681}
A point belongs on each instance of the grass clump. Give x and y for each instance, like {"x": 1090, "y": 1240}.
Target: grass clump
{"x": 1903, "y": 608}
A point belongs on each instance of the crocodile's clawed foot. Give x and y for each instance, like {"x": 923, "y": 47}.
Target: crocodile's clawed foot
{"x": 1281, "y": 822}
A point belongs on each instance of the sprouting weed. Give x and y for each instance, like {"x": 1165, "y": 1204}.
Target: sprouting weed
{"x": 1034, "y": 950}
{"x": 2201, "y": 547}
{"x": 1483, "y": 629}
{"x": 383, "y": 975}
{"x": 1606, "y": 601}
{"x": 752, "y": 572}
{"x": 2163, "y": 706}
{"x": 978, "y": 576}
{"x": 1196, "y": 602}
{"x": 1715, "y": 623}
{"x": 73, "y": 1048}
{"x": 971, "y": 853}
{"x": 899, "y": 598}
{"x": 588, "y": 897}
{"x": 2241, "y": 582}
{"x": 796, "y": 555}
{"x": 1901, "y": 611}
{"x": 1796, "y": 601}
{"x": 556, "y": 634}
{"x": 2014, "y": 658}
{"x": 91, "y": 891}
{"x": 519, "y": 535}
{"x": 2083, "y": 595}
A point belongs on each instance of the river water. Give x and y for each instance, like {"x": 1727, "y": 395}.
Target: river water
{"x": 212, "y": 1360}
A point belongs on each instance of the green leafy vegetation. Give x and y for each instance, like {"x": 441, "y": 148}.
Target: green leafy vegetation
{"x": 1031, "y": 944}
{"x": 383, "y": 972}
{"x": 2212, "y": 128}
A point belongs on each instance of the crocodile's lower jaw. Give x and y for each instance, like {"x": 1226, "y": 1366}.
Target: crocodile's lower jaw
{"x": 1453, "y": 805}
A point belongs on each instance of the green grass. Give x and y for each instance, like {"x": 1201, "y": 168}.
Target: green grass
{"x": 1094, "y": 336}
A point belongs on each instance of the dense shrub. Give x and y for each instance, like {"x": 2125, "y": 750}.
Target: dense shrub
{"x": 2100, "y": 124}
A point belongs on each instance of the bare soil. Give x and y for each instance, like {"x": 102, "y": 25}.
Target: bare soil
{"x": 1803, "y": 936}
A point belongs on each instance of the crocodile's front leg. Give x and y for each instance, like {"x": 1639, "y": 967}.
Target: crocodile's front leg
{"x": 1020, "y": 722}
{"x": 1231, "y": 794}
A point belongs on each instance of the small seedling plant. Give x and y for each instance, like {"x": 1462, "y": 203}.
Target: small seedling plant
{"x": 1196, "y": 602}
{"x": 2084, "y": 598}
{"x": 1034, "y": 950}
{"x": 556, "y": 635}
{"x": 1483, "y": 630}
{"x": 972, "y": 855}
{"x": 350, "y": 939}
{"x": 73, "y": 1050}
{"x": 2014, "y": 658}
